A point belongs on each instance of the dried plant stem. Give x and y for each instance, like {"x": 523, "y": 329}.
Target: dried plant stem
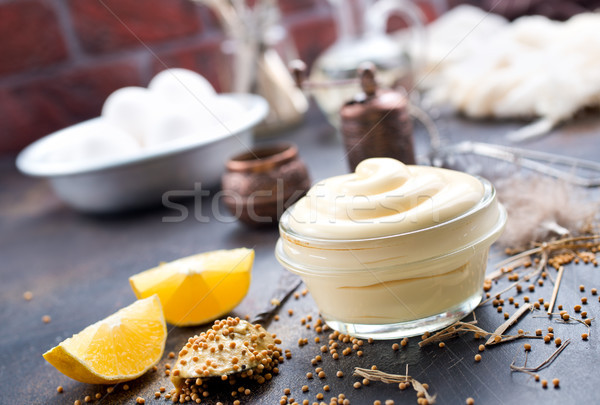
{"x": 538, "y": 270}
{"x": 561, "y": 270}
{"x": 376, "y": 375}
{"x": 544, "y": 364}
{"x": 509, "y": 322}
{"x": 452, "y": 331}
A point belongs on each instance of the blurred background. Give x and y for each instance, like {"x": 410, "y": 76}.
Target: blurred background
{"x": 60, "y": 59}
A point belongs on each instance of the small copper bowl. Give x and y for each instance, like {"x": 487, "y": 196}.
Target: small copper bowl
{"x": 259, "y": 185}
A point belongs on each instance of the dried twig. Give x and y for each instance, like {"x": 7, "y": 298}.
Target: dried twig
{"x": 377, "y": 375}
{"x": 538, "y": 270}
{"x": 544, "y": 364}
{"x": 453, "y": 330}
{"x": 509, "y": 322}
{"x": 561, "y": 270}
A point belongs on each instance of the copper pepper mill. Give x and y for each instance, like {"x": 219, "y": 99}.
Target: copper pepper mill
{"x": 376, "y": 123}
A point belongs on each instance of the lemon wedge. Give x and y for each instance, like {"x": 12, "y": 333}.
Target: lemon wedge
{"x": 118, "y": 348}
{"x": 200, "y": 288}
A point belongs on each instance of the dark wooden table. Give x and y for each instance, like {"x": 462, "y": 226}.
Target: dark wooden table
{"x": 77, "y": 267}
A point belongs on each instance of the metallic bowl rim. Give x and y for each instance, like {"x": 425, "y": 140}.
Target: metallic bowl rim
{"x": 257, "y": 110}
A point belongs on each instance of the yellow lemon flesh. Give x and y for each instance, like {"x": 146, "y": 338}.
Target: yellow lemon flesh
{"x": 200, "y": 288}
{"x": 118, "y": 348}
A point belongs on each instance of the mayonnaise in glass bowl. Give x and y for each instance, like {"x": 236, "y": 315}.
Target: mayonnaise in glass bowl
{"x": 392, "y": 250}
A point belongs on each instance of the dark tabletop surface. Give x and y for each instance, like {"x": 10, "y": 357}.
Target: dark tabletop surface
{"x": 77, "y": 267}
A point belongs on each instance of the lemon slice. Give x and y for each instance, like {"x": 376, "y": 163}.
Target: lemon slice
{"x": 200, "y": 288}
{"x": 118, "y": 348}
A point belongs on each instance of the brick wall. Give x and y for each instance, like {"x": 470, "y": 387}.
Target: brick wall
{"x": 60, "y": 59}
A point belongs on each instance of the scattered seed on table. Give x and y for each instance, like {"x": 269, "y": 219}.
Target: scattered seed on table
{"x": 527, "y": 347}
{"x": 46, "y": 319}
{"x": 557, "y": 341}
{"x": 395, "y": 346}
{"x": 339, "y": 374}
{"x": 544, "y": 383}
{"x": 28, "y": 295}
{"x": 584, "y": 336}
{"x": 60, "y": 389}
{"x": 478, "y": 357}
{"x": 470, "y": 401}
{"x": 442, "y": 345}
{"x": 556, "y": 382}
{"x": 357, "y": 385}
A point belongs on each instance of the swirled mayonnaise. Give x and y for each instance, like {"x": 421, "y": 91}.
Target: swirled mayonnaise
{"x": 384, "y": 197}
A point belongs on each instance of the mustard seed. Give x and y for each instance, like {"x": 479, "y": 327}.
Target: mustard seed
{"x": 566, "y": 317}
{"x": 584, "y": 336}
{"x": 557, "y": 341}
{"x": 46, "y": 319}
{"x": 87, "y": 398}
{"x": 389, "y": 402}
{"x": 111, "y": 389}
{"x": 365, "y": 381}
{"x": 442, "y": 345}
{"x": 584, "y": 300}
{"x": 478, "y": 357}
{"x": 326, "y": 388}
{"x": 527, "y": 347}
{"x": 304, "y": 388}
{"x": 395, "y": 346}
{"x": 584, "y": 314}
{"x": 588, "y": 322}
{"x": 98, "y": 395}
{"x": 319, "y": 396}
{"x": 77, "y": 402}
{"x": 470, "y": 401}
{"x": 538, "y": 332}
{"x": 506, "y": 315}
{"x": 335, "y": 356}
{"x": 140, "y": 400}
{"x": 359, "y": 353}
{"x": 171, "y": 355}
{"x": 322, "y": 374}
{"x": 28, "y": 295}
{"x": 594, "y": 291}
{"x": 357, "y": 385}
{"x": 402, "y": 386}
{"x": 377, "y": 402}
{"x": 536, "y": 377}
{"x": 544, "y": 383}
{"x": 290, "y": 312}
{"x": 556, "y": 382}
{"x": 560, "y": 307}
{"x": 125, "y": 387}
{"x": 550, "y": 329}
{"x": 481, "y": 348}
{"x": 582, "y": 288}
{"x": 339, "y": 374}
{"x": 404, "y": 342}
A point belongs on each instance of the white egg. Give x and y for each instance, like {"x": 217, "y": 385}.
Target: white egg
{"x": 93, "y": 141}
{"x": 171, "y": 126}
{"x": 182, "y": 86}
{"x": 128, "y": 108}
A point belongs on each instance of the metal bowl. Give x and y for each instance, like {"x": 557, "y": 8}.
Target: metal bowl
{"x": 136, "y": 181}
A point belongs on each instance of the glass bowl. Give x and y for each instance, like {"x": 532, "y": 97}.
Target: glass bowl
{"x": 400, "y": 285}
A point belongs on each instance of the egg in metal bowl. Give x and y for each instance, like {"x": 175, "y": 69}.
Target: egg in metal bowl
{"x": 120, "y": 177}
